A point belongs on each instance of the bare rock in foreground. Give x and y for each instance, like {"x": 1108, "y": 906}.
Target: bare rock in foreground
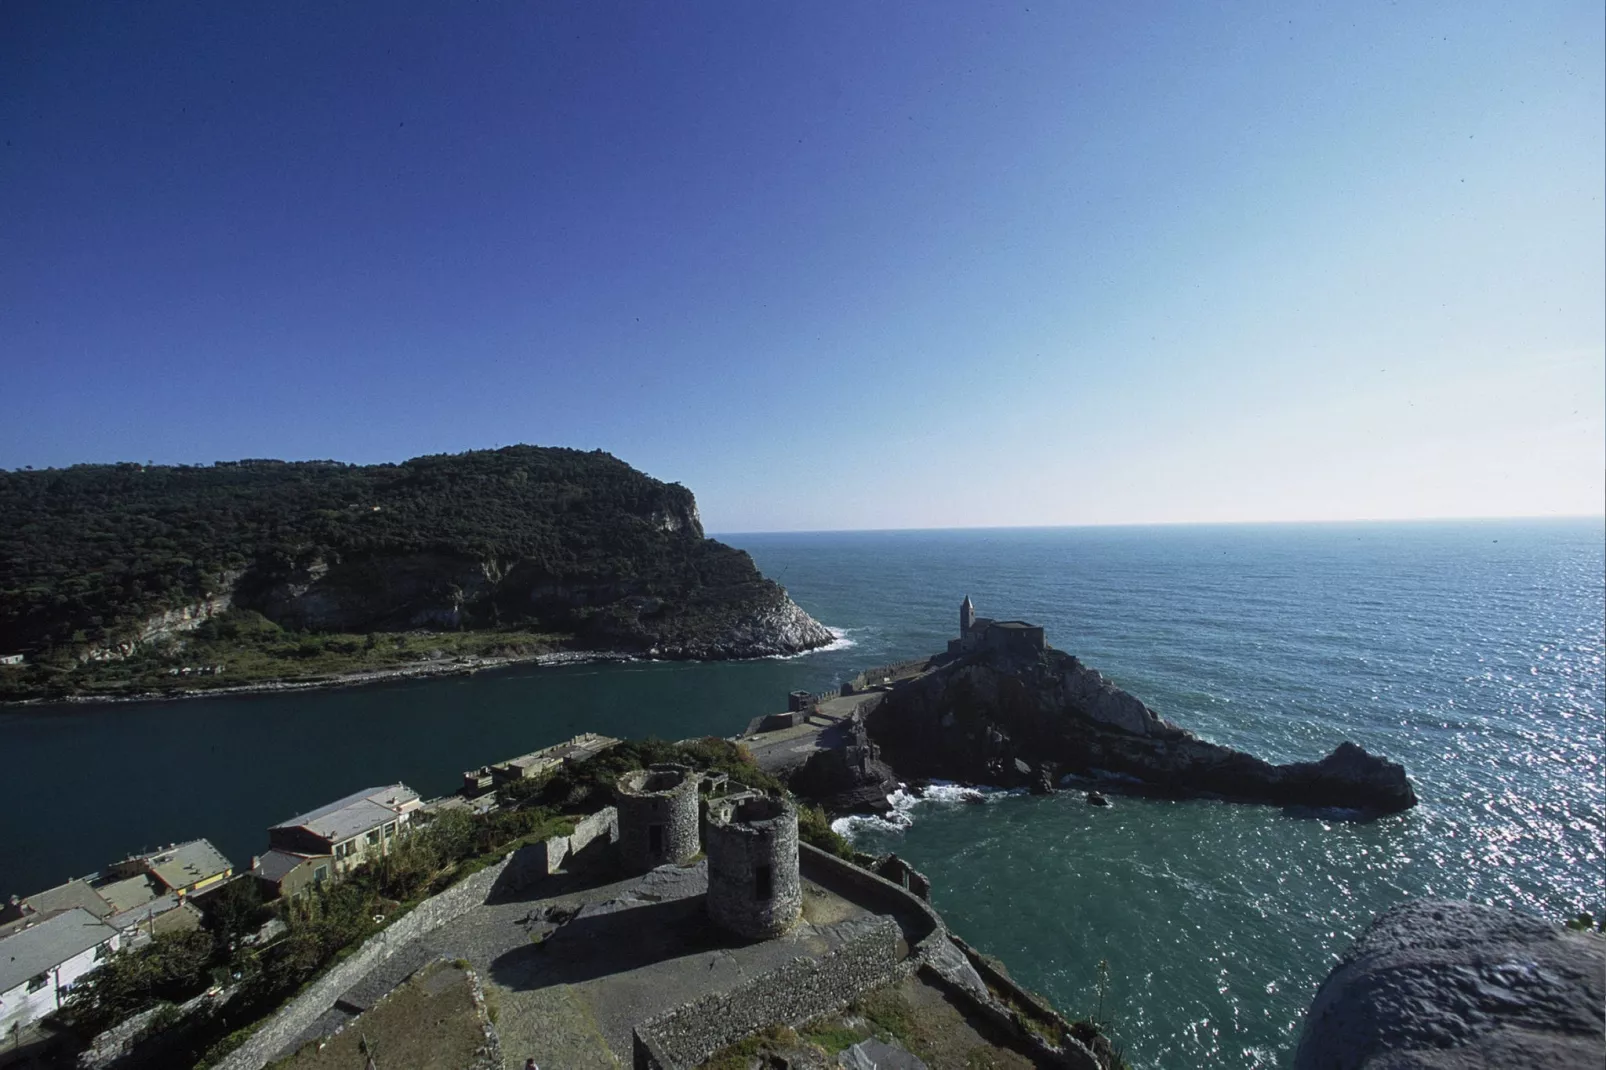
{"x": 1440, "y": 985}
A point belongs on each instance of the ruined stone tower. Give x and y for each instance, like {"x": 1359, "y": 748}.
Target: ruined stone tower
{"x": 657, "y": 817}
{"x": 754, "y": 888}
{"x": 967, "y": 617}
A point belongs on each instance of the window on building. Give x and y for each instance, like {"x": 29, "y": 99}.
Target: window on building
{"x": 763, "y": 883}
{"x": 102, "y": 951}
{"x": 38, "y": 981}
{"x": 373, "y": 838}
{"x": 320, "y": 874}
{"x": 390, "y": 830}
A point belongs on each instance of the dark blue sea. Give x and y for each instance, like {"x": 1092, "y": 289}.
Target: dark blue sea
{"x": 1469, "y": 651}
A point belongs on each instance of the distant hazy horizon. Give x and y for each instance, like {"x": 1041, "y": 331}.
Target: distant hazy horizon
{"x": 723, "y": 534}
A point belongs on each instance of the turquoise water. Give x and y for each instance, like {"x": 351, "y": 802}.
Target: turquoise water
{"x": 1472, "y": 652}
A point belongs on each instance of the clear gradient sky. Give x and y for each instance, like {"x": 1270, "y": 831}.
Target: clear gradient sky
{"x": 831, "y": 265}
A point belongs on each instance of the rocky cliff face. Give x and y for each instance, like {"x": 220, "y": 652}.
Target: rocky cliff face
{"x": 168, "y": 623}
{"x": 751, "y": 618}
{"x": 998, "y": 718}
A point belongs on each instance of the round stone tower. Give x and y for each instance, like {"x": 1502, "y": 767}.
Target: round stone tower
{"x": 657, "y": 817}
{"x": 754, "y": 888}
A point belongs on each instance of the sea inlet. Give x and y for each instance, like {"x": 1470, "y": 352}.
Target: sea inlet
{"x": 1472, "y": 652}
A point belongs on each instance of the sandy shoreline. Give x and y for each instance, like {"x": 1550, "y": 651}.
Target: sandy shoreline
{"x": 425, "y": 670}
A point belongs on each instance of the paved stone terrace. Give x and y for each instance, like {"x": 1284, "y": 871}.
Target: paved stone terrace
{"x": 784, "y": 749}
{"x": 572, "y": 967}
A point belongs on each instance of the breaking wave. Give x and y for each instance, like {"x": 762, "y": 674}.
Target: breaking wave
{"x": 904, "y": 803}
{"x": 840, "y": 641}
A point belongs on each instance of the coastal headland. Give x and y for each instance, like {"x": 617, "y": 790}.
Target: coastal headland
{"x": 1000, "y": 707}
{"x": 156, "y": 581}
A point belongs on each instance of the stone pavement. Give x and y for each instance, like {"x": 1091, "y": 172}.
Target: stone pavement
{"x": 785, "y": 749}
{"x": 572, "y": 969}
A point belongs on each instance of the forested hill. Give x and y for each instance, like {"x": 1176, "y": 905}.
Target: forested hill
{"x": 104, "y": 558}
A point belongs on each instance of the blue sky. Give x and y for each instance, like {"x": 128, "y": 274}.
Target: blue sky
{"x": 830, "y": 265}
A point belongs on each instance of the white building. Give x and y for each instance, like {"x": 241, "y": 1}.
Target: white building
{"x": 40, "y": 963}
{"x": 350, "y": 830}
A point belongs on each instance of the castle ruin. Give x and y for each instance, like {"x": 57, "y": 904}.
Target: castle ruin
{"x": 658, "y": 817}
{"x": 754, "y": 888}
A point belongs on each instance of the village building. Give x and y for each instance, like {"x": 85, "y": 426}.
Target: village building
{"x": 40, "y": 962}
{"x": 53, "y": 901}
{"x": 289, "y": 874}
{"x": 349, "y": 831}
{"x": 180, "y": 869}
{"x": 580, "y": 748}
{"x": 130, "y": 896}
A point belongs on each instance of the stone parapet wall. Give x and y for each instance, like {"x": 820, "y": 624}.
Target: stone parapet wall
{"x": 115, "y": 1043}
{"x": 291, "y": 1020}
{"x": 1071, "y": 1054}
{"x": 792, "y": 994}
{"x": 923, "y": 928}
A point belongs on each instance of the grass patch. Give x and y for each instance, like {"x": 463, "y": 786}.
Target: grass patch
{"x": 738, "y": 1055}
{"x": 833, "y": 1037}
{"x": 253, "y": 650}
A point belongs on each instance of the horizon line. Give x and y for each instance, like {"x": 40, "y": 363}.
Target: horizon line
{"x": 1164, "y": 524}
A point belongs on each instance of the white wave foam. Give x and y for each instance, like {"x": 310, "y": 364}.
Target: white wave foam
{"x": 903, "y": 804}
{"x": 840, "y": 642}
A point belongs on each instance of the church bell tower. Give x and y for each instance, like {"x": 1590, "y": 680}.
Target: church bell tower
{"x": 967, "y": 617}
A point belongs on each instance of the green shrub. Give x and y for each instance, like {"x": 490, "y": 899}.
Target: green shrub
{"x": 814, "y": 827}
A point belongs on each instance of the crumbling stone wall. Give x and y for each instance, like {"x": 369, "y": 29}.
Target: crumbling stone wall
{"x": 658, "y": 817}
{"x": 535, "y": 862}
{"x": 904, "y": 875}
{"x": 754, "y": 888}
{"x": 802, "y": 989}
{"x": 291, "y": 1020}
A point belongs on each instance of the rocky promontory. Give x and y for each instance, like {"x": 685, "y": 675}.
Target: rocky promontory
{"x": 1018, "y": 716}
{"x": 113, "y": 577}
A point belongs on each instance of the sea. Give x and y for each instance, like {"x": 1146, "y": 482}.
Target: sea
{"x": 1470, "y": 651}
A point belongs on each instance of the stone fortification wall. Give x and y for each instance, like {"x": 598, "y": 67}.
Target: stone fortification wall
{"x": 1027, "y": 1004}
{"x": 923, "y": 928}
{"x": 754, "y": 889}
{"x": 802, "y": 989}
{"x": 872, "y": 677}
{"x": 658, "y": 817}
{"x": 111, "y": 1046}
{"x": 291, "y": 1020}
{"x": 535, "y": 862}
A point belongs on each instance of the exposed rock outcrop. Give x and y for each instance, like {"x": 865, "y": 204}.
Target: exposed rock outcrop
{"x": 742, "y": 620}
{"x": 849, "y": 776}
{"x": 981, "y": 717}
{"x": 168, "y": 623}
{"x": 1438, "y": 985}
